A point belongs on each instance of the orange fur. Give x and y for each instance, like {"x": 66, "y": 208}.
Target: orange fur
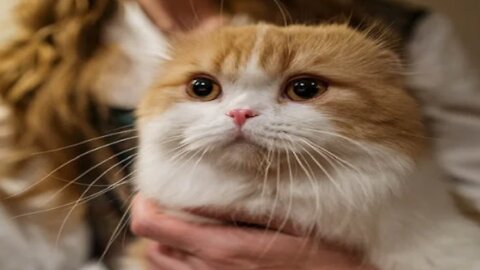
{"x": 366, "y": 88}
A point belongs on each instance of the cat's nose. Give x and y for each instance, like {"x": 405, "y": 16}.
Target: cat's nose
{"x": 240, "y": 116}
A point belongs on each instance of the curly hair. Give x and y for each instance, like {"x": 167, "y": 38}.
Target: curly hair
{"x": 47, "y": 73}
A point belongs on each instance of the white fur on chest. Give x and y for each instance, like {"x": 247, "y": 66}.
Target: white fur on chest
{"x": 412, "y": 228}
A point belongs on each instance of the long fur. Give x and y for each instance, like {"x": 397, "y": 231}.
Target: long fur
{"x": 352, "y": 166}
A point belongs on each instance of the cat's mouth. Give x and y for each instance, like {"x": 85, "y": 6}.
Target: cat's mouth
{"x": 240, "y": 140}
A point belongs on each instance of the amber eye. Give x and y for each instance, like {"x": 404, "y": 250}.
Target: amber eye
{"x": 204, "y": 88}
{"x": 302, "y": 89}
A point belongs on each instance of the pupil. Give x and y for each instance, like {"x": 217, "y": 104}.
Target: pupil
{"x": 202, "y": 87}
{"x": 306, "y": 88}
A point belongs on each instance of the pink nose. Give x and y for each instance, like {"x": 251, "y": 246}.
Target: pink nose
{"x": 240, "y": 116}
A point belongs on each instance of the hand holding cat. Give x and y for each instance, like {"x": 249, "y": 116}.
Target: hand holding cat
{"x": 179, "y": 245}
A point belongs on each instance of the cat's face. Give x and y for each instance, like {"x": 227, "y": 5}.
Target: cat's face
{"x": 238, "y": 96}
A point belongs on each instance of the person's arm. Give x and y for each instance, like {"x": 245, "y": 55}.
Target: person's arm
{"x": 180, "y": 245}
{"x": 442, "y": 77}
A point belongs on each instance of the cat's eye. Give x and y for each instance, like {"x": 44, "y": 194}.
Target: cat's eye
{"x": 204, "y": 89}
{"x": 305, "y": 88}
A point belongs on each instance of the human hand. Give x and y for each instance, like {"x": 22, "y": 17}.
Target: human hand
{"x": 182, "y": 15}
{"x": 180, "y": 246}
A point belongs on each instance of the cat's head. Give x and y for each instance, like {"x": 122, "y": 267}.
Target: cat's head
{"x": 240, "y": 96}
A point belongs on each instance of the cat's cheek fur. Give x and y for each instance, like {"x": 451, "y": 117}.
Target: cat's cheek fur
{"x": 174, "y": 183}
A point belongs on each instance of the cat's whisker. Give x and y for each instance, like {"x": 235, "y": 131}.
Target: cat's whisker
{"x": 330, "y": 178}
{"x": 276, "y": 154}
{"x": 179, "y": 152}
{"x": 307, "y": 169}
{"x": 285, "y": 220}
{"x": 85, "y": 200}
{"x": 179, "y": 156}
{"x": 402, "y": 133}
{"x": 343, "y": 163}
{"x": 127, "y": 204}
{"x": 320, "y": 166}
{"x": 374, "y": 156}
{"x": 277, "y": 194}
{"x": 90, "y": 170}
{"x": 199, "y": 160}
{"x": 192, "y": 156}
{"x": 222, "y": 8}
{"x": 129, "y": 219}
{"x": 213, "y": 132}
{"x": 131, "y": 160}
{"x": 310, "y": 175}
{"x": 283, "y": 11}
{"x": 339, "y": 160}
{"x": 316, "y": 211}
{"x": 83, "y": 142}
{"x": 170, "y": 139}
{"x": 351, "y": 141}
{"x": 265, "y": 177}
{"x": 79, "y": 200}
{"x": 195, "y": 13}
{"x": 122, "y": 223}
{"x": 276, "y": 198}
{"x": 78, "y": 184}
{"x": 33, "y": 185}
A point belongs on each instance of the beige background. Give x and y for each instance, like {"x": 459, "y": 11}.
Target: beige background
{"x": 464, "y": 13}
{"x": 6, "y": 28}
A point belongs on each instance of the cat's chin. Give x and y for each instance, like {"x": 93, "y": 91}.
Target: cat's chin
{"x": 241, "y": 153}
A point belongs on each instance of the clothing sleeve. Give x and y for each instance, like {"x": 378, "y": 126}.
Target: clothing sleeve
{"x": 29, "y": 238}
{"x": 448, "y": 87}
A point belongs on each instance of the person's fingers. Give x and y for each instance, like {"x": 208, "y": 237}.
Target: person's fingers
{"x": 165, "y": 258}
{"x": 200, "y": 246}
{"x": 203, "y": 239}
{"x": 239, "y": 217}
{"x": 163, "y": 262}
{"x": 149, "y": 222}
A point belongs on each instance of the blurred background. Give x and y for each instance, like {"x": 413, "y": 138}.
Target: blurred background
{"x": 465, "y": 15}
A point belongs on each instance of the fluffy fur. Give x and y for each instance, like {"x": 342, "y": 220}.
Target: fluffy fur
{"x": 64, "y": 50}
{"x": 351, "y": 166}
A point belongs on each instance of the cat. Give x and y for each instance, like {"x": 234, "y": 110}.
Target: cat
{"x": 312, "y": 125}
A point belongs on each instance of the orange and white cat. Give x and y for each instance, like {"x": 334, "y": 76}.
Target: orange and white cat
{"x": 311, "y": 125}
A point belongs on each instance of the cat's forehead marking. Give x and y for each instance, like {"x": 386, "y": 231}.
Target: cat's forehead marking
{"x": 252, "y": 71}
{"x": 253, "y": 61}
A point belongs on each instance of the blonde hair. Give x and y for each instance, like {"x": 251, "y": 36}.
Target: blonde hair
{"x": 47, "y": 74}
